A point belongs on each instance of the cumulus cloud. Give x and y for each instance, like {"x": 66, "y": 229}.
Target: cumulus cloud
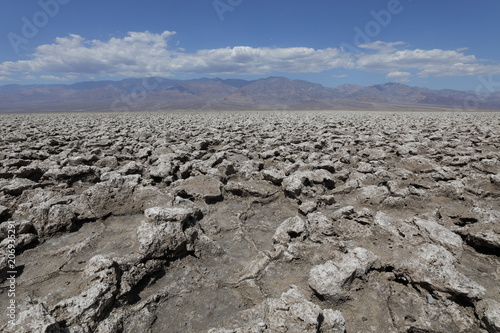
{"x": 436, "y": 62}
{"x": 149, "y": 54}
{"x": 399, "y": 76}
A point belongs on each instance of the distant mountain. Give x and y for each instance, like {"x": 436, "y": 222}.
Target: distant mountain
{"x": 271, "y": 93}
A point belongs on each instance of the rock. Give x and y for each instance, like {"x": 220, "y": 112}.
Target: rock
{"x": 293, "y": 184}
{"x": 372, "y": 195}
{"x": 72, "y": 173}
{"x": 166, "y": 232}
{"x": 373, "y": 154}
{"x": 440, "y": 235}
{"x": 483, "y": 238}
{"x": 332, "y": 279}
{"x": 3, "y": 212}
{"x": 488, "y": 311}
{"x": 290, "y": 313}
{"x": 33, "y": 317}
{"x": 114, "y": 195}
{"x": 320, "y": 226}
{"x": 131, "y": 168}
{"x": 434, "y": 267}
{"x": 98, "y": 296}
{"x": 31, "y": 171}
{"x": 159, "y": 215}
{"x": 418, "y": 164}
{"x": 17, "y": 186}
{"x": 20, "y": 227}
{"x": 48, "y": 211}
{"x": 107, "y": 162}
{"x": 206, "y": 188}
{"x": 21, "y": 241}
{"x": 307, "y": 207}
{"x": 164, "y": 166}
{"x": 365, "y": 167}
{"x": 290, "y": 229}
{"x": 256, "y": 188}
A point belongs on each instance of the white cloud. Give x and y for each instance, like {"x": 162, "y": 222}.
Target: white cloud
{"x": 382, "y": 47}
{"x": 58, "y": 78}
{"x": 5, "y": 78}
{"x": 149, "y": 54}
{"x": 435, "y": 62}
{"x": 399, "y": 76}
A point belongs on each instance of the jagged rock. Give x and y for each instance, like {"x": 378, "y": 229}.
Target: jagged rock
{"x": 291, "y": 228}
{"x": 332, "y": 279}
{"x": 320, "y": 226}
{"x": 293, "y": 184}
{"x": 114, "y": 195}
{"x": 21, "y": 241}
{"x": 365, "y": 167}
{"x": 31, "y": 171}
{"x": 289, "y": 313}
{"x": 131, "y": 168}
{"x": 307, "y": 207}
{"x": 72, "y": 173}
{"x": 17, "y": 186}
{"x": 372, "y": 195}
{"x": 48, "y": 212}
{"x": 206, "y": 188}
{"x": 164, "y": 166}
{"x": 158, "y": 215}
{"x": 33, "y": 317}
{"x": 440, "y": 235}
{"x": 100, "y": 290}
{"x": 163, "y": 234}
{"x": 254, "y": 188}
{"x": 434, "y": 267}
{"x": 107, "y": 162}
{"x": 20, "y": 227}
{"x": 488, "y": 311}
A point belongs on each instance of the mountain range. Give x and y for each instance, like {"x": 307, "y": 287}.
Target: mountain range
{"x": 272, "y": 93}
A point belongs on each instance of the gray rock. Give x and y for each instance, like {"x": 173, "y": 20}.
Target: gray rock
{"x": 207, "y": 188}
{"x": 17, "y": 186}
{"x": 290, "y": 313}
{"x": 33, "y": 317}
{"x": 332, "y": 279}
{"x": 131, "y": 168}
{"x": 256, "y": 188}
{"x": 440, "y": 235}
{"x": 159, "y": 215}
{"x": 372, "y": 195}
{"x": 488, "y": 311}
{"x": 307, "y": 207}
{"x": 291, "y": 228}
{"x": 273, "y": 176}
{"x": 433, "y": 266}
{"x": 100, "y": 290}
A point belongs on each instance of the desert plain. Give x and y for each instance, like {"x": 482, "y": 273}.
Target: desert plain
{"x": 232, "y": 222}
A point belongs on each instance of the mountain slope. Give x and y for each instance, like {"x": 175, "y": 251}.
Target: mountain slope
{"x": 139, "y": 94}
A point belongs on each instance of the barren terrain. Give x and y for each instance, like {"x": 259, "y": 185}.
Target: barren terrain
{"x": 222, "y": 222}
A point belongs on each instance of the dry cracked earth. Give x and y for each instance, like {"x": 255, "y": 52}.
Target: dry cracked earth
{"x": 251, "y": 222}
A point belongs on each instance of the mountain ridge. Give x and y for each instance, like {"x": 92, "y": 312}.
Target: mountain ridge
{"x": 273, "y": 93}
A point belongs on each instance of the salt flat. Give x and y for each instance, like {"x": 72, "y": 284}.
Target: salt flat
{"x": 268, "y": 221}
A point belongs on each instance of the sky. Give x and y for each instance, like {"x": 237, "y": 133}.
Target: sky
{"x": 451, "y": 44}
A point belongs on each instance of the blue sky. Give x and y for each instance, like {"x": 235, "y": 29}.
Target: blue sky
{"x": 436, "y": 44}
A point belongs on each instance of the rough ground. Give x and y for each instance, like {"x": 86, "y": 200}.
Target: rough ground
{"x": 252, "y": 222}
